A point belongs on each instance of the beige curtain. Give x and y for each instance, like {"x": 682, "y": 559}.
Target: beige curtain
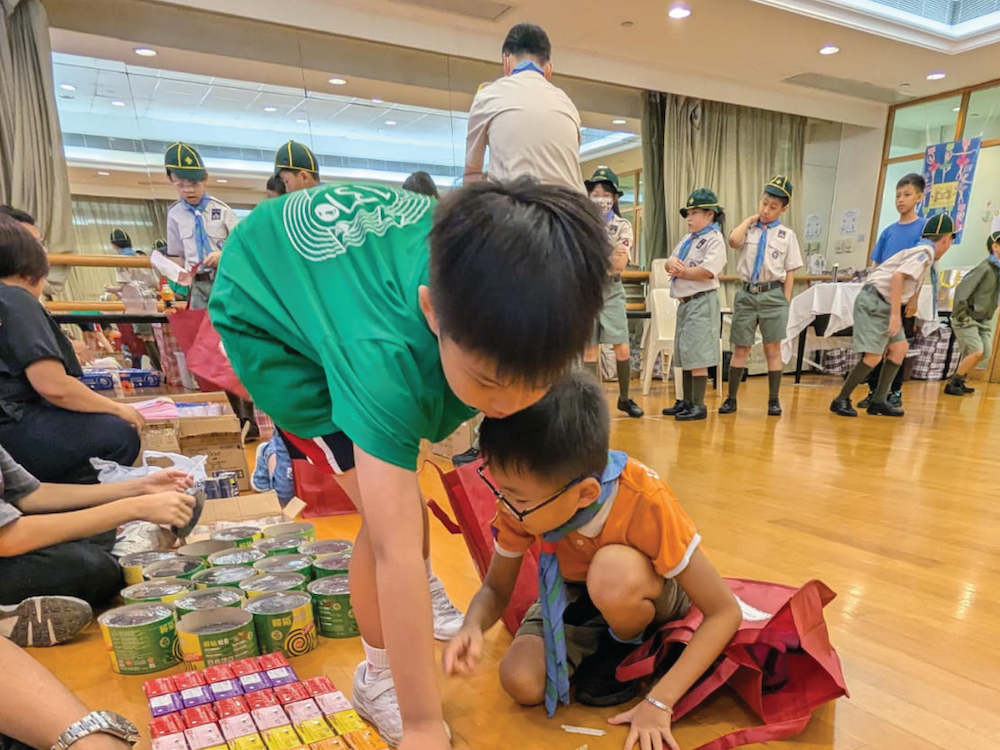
{"x": 33, "y": 173}
{"x": 732, "y": 150}
{"x": 654, "y": 223}
{"x": 93, "y": 220}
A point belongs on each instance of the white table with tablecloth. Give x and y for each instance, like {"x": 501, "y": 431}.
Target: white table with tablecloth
{"x": 837, "y": 301}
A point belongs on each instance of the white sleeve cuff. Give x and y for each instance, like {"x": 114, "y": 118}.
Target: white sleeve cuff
{"x": 506, "y": 552}
{"x": 687, "y": 558}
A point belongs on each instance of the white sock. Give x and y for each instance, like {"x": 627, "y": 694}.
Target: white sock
{"x": 430, "y": 573}
{"x": 378, "y": 658}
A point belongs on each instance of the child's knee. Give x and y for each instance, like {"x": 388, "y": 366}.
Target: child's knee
{"x": 619, "y": 576}
{"x": 521, "y": 678}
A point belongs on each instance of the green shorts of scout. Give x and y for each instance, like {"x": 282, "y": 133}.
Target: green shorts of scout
{"x": 973, "y": 336}
{"x": 612, "y": 323}
{"x": 696, "y": 341}
{"x": 585, "y": 626}
{"x": 871, "y": 323}
{"x": 769, "y": 310}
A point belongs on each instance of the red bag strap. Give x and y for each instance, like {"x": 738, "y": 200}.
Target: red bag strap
{"x": 642, "y": 662}
{"x": 725, "y": 669}
{"x": 779, "y": 730}
{"x": 442, "y": 515}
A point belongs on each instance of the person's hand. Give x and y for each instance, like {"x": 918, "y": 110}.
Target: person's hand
{"x": 131, "y": 415}
{"x": 650, "y": 727}
{"x": 675, "y": 267}
{"x": 212, "y": 259}
{"x": 751, "y": 220}
{"x": 462, "y": 653}
{"x": 424, "y": 738}
{"x": 165, "y": 481}
{"x": 164, "y": 508}
{"x": 895, "y": 323}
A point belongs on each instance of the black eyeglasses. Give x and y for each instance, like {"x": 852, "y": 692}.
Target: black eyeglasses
{"x": 520, "y": 515}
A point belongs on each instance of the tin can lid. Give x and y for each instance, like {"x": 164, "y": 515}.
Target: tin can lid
{"x": 132, "y": 615}
{"x": 277, "y": 603}
{"x": 330, "y": 586}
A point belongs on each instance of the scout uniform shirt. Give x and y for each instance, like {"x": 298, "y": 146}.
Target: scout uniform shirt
{"x": 219, "y": 220}
{"x": 620, "y": 233}
{"x": 707, "y": 251}
{"x": 781, "y": 255}
{"x": 912, "y": 263}
{"x": 316, "y": 304}
{"x": 531, "y": 128}
{"x": 642, "y": 513}
{"x": 978, "y": 293}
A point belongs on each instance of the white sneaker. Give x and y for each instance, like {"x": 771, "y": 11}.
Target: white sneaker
{"x": 377, "y": 704}
{"x": 448, "y": 619}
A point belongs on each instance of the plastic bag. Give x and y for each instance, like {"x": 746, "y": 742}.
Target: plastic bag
{"x": 109, "y": 472}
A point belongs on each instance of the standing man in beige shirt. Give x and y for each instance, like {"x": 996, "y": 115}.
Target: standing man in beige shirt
{"x": 530, "y": 126}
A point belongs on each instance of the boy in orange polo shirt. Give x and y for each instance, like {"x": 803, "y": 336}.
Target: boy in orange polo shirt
{"x": 619, "y": 558}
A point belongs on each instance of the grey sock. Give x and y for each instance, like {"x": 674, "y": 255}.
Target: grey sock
{"x": 889, "y": 370}
{"x": 698, "y": 386}
{"x": 687, "y": 381}
{"x": 773, "y": 384}
{"x": 735, "y": 378}
{"x": 855, "y": 378}
{"x": 624, "y": 373}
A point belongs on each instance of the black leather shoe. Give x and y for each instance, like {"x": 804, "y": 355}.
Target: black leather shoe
{"x": 842, "y": 406}
{"x": 679, "y": 406}
{"x": 966, "y": 388}
{"x": 863, "y": 403}
{"x": 895, "y": 398}
{"x": 884, "y": 409}
{"x": 630, "y": 407}
{"x": 954, "y": 388}
{"x": 692, "y": 414}
{"x": 773, "y": 408}
{"x": 728, "y": 406}
{"x": 596, "y": 683}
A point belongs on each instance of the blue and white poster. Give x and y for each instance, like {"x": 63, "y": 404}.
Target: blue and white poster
{"x": 949, "y": 169}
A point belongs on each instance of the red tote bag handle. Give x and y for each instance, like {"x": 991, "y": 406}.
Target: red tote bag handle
{"x": 781, "y": 730}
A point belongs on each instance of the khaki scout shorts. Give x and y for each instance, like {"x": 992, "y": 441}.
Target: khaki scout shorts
{"x": 973, "y": 336}
{"x": 871, "y": 323}
{"x": 585, "y": 626}
{"x": 612, "y": 323}
{"x": 769, "y": 310}
{"x": 696, "y": 340}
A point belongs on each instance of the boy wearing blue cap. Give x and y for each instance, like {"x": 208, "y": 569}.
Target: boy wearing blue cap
{"x": 769, "y": 255}
{"x": 976, "y": 301}
{"x": 878, "y": 320}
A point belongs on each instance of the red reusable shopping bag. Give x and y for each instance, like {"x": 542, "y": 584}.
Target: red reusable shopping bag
{"x": 319, "y": 490}
{"x": 780, "y": 661}
{"x": 202, "y": 348}
{"x": 474, "y": 507}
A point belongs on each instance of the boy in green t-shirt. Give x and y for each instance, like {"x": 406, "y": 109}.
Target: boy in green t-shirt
{"x": 363, "y": 318}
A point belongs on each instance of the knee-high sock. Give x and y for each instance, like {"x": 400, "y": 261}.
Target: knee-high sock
{"x": 735, "y": 378}
{"x": 624, "y": 373}
{"x": 854, "y": 379}
{"x": 889, "y": 370}
{"x": 773, "y": 384}
{"x": 687, "y": 382}
{"x": 698, "y": 385}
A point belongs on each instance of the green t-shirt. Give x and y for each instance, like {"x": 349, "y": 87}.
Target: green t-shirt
{"x": 316, "y": 303}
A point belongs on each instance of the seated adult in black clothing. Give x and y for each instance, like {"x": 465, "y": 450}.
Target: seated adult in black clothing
{"x": 51, "y": 423}
{"x": 56, "y": 540}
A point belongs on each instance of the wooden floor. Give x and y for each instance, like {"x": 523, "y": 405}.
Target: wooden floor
{"x": 900, "y": 517}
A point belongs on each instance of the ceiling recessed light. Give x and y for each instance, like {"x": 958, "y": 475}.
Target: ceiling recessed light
{"x": 145, "y": 51}
{"x": 937, "y": 75}
{"x": 67, "y": 87}
{"x": 302, "y": 121}
{"x": 337, "y": 81}
{"x": 104, "y": 174}
{"x": 390, "y": 122}
{"x": 376, "y": 100}
{"x": 679, "y": 11}
{"x": 222, "y": 181}
{"x": 619, "y": 121}
{"x": 270, "y": 109}
{"x": 117, "y": 103}
{"x": 829, "y": 49}
{"x": 904, "y": 85}
{"x": 628, "y": 24}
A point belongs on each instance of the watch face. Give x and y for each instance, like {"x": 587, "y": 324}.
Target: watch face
{"x": 129, "y": 730}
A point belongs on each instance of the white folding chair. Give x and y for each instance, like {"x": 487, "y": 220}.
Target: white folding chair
{"x": 662, "y": 321}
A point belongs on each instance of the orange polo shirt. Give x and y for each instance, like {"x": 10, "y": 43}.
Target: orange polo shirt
{"x": 643, "y": 514}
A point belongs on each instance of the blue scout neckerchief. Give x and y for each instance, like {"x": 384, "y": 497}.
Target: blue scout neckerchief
{"x": 200, "y": 235}
{"x": 758, "y": 262}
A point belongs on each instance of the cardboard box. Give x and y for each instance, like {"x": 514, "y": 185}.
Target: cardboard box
{"x": 459, "y": 441}
{"x": 220, "y": 438}
{"x": 241, "y": 510}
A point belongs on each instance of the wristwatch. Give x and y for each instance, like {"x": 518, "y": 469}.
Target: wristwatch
{"x": 107, "y": 722}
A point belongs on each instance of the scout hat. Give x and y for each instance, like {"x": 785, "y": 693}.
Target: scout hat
{"x": 780, "y": 187}
{"x": 992, "y": 240}
{"x": 185, "y": 162}
{"x": 938, "y": 226}
{"x": 120, "y": 238}
{"x": 702, "y": 198}
{"x": 605, "y": 175}
{"x": 160, "y": 245}
{"x": 295, "y": 156}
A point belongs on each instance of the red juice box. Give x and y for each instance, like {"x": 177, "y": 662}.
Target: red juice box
{"x": 231, "y": 707}
{"x": 234, "y": 719}
{"x": 198, "y": 715}
{"x": 167, "y": 733}
{"x": 272, "y": 661}
{"x": 163, "y": 696}
{"x": 218, "y": 673}
{"x": 260, "y": 699}
{"x": 291, "y": 693}
{"x": 319, "y": 685}
{"x": 245, "y": 666}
